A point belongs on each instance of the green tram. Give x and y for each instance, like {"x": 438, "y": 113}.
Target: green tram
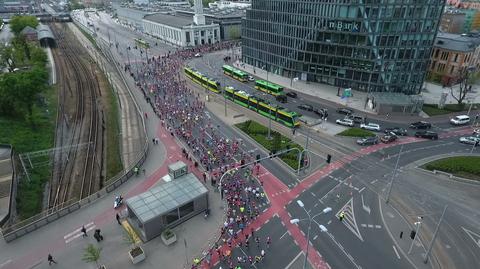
{"x": 287, "y": 118}
{"x": 235, "y": 73}
{"x": 204, "y": 81}
{"x": 268, "y": 87}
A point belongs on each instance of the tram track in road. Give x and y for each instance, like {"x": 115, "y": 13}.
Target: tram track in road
{"x": 78, "y": 165}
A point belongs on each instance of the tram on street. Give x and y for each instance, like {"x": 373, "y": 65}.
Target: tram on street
{"x": 268, "y": 87}
{"x": 204, "y": 81}
{"x": 235, "y": 73}
{"x": 276, "y": 113}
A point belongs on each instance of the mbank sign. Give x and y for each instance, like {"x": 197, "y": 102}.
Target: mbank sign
{"x": 344, "y": 26}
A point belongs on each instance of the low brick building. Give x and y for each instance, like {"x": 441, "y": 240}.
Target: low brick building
{"x": 451, "y": 54}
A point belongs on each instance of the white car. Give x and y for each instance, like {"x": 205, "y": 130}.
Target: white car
{"x": 345, "y": 122}
{"x": 460, "y": 120}
{"x": 198, "y": 55}
{"x": 370, "y": 126}
{"x": 471, "y": 140}
{"x": 250, "y": 78}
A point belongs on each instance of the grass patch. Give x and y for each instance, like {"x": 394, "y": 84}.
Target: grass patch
{"x": 114, "y": 161}
{"x": 356, "y": 132}
{"x": 462, "y": 166}
{"x": 433, "y": 110}
{"x": 88, "y": 36}
{"x": 279, "y": 142}
{"x": 27, "y": 137}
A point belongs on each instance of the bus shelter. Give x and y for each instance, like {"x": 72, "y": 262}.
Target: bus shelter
{"x": 167, "y": 205}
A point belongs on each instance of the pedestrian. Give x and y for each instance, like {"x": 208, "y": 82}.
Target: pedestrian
{"x": 262, "y": 253}
{"x": 269, "y": 240}
{"x": 51, "y": 260}
{"x": 84, "y": 231}
{"x": 118, "y": 219}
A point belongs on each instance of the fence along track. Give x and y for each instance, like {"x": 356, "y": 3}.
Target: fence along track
{"x": 80, "y": 176}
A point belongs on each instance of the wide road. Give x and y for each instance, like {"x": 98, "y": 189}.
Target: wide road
{"x": 362, "y": 237}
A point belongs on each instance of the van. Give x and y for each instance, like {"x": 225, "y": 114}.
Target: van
{"x": 460, "y": 120}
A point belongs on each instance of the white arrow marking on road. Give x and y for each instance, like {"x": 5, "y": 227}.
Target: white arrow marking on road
{"x": 474, "y": 236}
{"x": 366, "y": 208}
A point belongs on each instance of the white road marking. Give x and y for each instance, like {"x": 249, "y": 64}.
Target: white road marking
{"x": 283, "y": 235}
{"x": 294, "y": 259}
{"x": 363, "y": 225}
{"x": 378, "y": 226}
{"x": 365, "y": 207}
{"x": 396, "y": 252}
{"x": 373, "y": 181}
{"x": 5, "y": 263}
{"x": 315, "y": 237}
{"x": 78, "y": 230}
{"x": 77, "y": 233}
{"x": 360, "y": 191}
{"x": 474, "y": 236}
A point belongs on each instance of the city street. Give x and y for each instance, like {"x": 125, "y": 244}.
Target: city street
{"x": 355, "y": 226}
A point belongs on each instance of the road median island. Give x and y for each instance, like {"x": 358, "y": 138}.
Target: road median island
{"x": 278, "y": 142}
{"x": 460, "y": 166}
{"x": 356, "y": 132}
{"x": 433, "y": 110}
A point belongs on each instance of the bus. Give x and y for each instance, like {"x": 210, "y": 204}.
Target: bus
{"x": 204, "y": 81}
{"x": 268, "y": 87}
{"x": 235, "y": 73}
{"x": 276, "y": 113}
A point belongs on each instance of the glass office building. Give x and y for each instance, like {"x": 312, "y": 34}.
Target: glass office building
{"x": 366, "y": 45}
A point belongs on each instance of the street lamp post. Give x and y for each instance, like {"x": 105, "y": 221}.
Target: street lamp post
{"x": 387, "y": 199}
{"x": 310, "y": 220}
{"x": 418, "y": 224}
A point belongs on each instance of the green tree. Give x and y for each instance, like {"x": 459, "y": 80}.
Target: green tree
{"x": 17, "y": 23}
{"x": 92, "y": 254}
{"x": 7, "y": 57}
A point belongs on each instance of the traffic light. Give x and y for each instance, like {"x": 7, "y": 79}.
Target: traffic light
{"x": 412, "y": 234}
{"x": 329, "y": 158}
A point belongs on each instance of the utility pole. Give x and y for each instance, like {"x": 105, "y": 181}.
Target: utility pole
{"x": 418, "y": 225}
{"x": 387, "y": 199}
{"x": 225, "y": 95}
{"x": 434, "y": 235}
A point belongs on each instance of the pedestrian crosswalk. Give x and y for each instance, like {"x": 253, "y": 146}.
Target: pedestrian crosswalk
{"x": 77, "y": 232}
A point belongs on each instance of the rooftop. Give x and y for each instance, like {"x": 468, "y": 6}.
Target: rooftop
{"x": 456, "y": 42}
{"x": 170, "y": 20}
{"x": 164, "y": 198}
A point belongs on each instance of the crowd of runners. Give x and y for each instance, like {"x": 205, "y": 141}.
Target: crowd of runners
{"x": 183, "y": 114}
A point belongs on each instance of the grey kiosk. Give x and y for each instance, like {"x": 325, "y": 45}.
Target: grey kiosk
{"x": 178, "y": 199}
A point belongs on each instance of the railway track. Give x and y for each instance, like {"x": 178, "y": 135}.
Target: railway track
{"x": 78, "y": 168}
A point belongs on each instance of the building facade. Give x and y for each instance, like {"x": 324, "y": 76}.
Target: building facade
{"x": 453, "y": 22}
{"x": 180, "y": 31}
{"x": 452, "y": 54}
{"x": 372, "y": 46}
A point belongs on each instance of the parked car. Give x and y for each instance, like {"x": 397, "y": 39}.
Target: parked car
{"x": 345, "y": 122}
{"x": 427, "y": 134}
{"x": 476, "y": 132}
{"x": 471, "y": 140}
{"x": 198, "y": 55}
{"x": 292, "y": 94}
{"x": 460, "y": 120}
{"x": 357, "y": 118}
{"x": 306, "y": 107}
{"x": 371, "y": 140}
{"x": 345, "y": 111}
{"x": 281, "y": 98}
{"x": 397, "y": 131}
{"x": 250, "y": 78}
{"x": 388, "y": 138}
{"x": 370, "y": 126}
{"x": 421, "y": 125}
{"x": 322, "y": 112}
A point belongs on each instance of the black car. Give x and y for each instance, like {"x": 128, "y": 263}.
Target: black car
{"x": 357, "y": 118}
{"x": 427, "y": 134}
{"x": 292, "y": 94}
{"x": 397, "y": 131}
{"x": 306, "y": 107}
{"x": 345, "y": 111}
{"x": 322, "y": 112}
{"x": 281, "y": 98}
{"x": 421, "y": 125}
